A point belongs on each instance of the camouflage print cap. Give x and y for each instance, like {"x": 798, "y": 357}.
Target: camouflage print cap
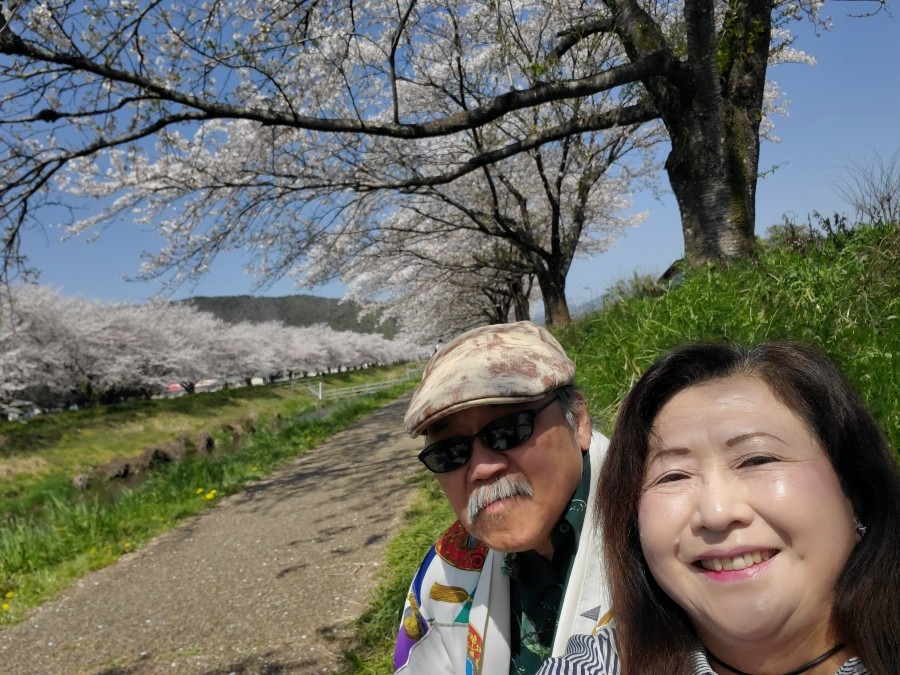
{"x": 506, "y": 363}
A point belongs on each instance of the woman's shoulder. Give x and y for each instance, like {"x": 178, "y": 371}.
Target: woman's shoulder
{"x": 854, "y": 666}
{"x": 593, "y": 654}
{"x": 597, "y": 654}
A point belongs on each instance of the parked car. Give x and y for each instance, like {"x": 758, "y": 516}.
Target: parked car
{"x": 208, "y": 384}
{"x": 174, "y": 390}
{"x": 21, "y": 410}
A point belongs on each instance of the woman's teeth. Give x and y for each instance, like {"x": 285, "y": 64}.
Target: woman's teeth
{"x": 738, "y": 562}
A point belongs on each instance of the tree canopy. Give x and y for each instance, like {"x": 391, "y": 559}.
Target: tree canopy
{"x": 302, "y": 130}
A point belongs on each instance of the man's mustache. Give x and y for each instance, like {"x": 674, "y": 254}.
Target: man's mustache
{"x": 503, "y": 488}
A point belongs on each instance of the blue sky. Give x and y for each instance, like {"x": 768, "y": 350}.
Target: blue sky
{"x": 841, "y": 111}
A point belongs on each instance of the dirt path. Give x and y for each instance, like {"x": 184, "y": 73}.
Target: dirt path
{"x": 265, "y": 582}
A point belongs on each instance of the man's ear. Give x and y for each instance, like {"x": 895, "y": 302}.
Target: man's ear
{"x": 583, "y": 425}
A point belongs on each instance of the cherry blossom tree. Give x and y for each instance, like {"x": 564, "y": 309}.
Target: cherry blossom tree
{"x": 177, "y": 343}
{"x": 275, "y": 126}
{"x": 436, "y": 284}
{"x": 496, "y": 230}
{"x": 438, "y": 302}
{"x": 25, "y": 361}
{"x": 58, "y": 351}
{"x": 67, "y": 351}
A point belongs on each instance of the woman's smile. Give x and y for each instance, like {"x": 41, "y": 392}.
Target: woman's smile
{"x": 736, "y": 562}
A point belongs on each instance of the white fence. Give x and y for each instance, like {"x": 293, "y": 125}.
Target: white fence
{"x": 319, "y": 391}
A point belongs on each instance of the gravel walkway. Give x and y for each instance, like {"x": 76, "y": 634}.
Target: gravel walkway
{"x": 266, "y": 581}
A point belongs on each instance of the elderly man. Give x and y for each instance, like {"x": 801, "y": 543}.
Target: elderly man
{"x": 509, "y": 439}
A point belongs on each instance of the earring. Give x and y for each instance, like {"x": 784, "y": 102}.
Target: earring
{"x": 859, "y": 527}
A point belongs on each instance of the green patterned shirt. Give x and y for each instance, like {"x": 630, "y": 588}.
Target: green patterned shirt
{"x": 536, "y": 585}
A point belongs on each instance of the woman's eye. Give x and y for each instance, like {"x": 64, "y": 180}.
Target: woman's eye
{"x": 757, "y": 460}
{"x": 671, "y": 477}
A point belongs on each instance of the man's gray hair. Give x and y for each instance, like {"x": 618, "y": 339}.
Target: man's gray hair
{"x": 572, "y": 403}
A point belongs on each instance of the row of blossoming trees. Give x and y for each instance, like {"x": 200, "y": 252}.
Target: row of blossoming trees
{"x": 56, "y": 351}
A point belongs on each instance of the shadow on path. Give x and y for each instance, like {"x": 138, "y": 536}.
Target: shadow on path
{"x": 267, "y": 581}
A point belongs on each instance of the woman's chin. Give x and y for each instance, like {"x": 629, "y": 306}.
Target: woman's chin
{"x": 740, "y": 628}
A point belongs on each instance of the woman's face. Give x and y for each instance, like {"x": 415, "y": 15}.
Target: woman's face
{"x": 743, "y": 521}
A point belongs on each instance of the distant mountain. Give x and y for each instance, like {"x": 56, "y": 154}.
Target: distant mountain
{"x": 291, "y": 310}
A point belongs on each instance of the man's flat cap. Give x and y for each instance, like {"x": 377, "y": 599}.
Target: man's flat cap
{"x": 491, "y": 365}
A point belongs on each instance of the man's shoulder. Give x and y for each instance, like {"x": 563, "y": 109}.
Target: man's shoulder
{"x": 459, "y": 549}
{"x": 436, "y": 613}
{"x": 599, "y": 439}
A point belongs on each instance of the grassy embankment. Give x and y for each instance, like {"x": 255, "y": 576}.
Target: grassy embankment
{"x": 52, "y": 533}
{"x": 841, "y": 293}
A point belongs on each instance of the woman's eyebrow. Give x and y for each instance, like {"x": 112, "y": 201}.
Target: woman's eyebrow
{"x": 660, "y": 453}
{"x": 743, "y": 438}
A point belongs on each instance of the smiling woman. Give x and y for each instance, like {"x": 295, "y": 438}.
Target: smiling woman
{"x": 761, "y": 504}
{"x": 737, "y": 494}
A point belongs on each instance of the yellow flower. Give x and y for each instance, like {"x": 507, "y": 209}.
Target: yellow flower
{"x": 5, "y": 606}
{"x": 199, "y": 491}
{"x": 9, "y": 595}
{"x": 210, "y": 495}
{"x": 127, "y": 545}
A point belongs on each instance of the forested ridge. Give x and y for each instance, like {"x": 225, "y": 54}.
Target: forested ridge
{"x": 292, "y": 310}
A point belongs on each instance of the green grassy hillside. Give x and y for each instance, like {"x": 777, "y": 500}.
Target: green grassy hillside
{"x": 841, "y": 293}
{"x": 293, "y": 310}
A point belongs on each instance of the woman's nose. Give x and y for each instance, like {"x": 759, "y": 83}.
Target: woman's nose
{"x": 721, "y": 503}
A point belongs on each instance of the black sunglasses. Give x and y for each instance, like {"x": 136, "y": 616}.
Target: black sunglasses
{"x": 504, "y": 433}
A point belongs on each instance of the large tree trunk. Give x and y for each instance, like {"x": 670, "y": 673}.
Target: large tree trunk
{"x": 712, "y": 171}
{"x": 553, "y": 289}
{"x": 714, "y": 129}
{"x": 711, "y": 104}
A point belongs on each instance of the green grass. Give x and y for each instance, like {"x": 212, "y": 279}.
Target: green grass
{"x": 59, "y": 534}
{"x": 35, "y": 454}
{"x": 841, "y": 293}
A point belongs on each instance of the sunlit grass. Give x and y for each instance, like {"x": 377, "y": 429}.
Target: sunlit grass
{"x": 841, "y": 294}
{"x": 73, "y": 442}
{"x": 59, "y": 534}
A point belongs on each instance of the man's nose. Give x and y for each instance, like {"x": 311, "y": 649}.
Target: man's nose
{"x": 486, "y": 464}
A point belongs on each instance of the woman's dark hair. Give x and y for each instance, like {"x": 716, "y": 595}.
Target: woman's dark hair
{"x": 653, "y": 633}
